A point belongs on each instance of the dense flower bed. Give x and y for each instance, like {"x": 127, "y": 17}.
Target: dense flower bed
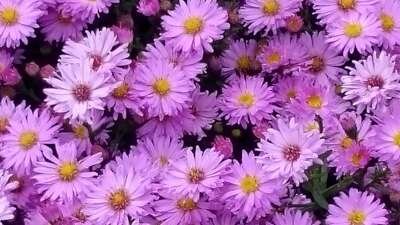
{"x": 199, "y": 112}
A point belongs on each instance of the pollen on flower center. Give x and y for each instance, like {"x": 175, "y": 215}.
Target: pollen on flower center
{"x": 80, "y": 131}
{"x": 314, "y": 101}
{"x": 387, "y": 22}
{"x": 9, "y": 16}
{"x": 246, "y": 99}
{"x": 161, "y": 86}
{"x": 163, "y": 160}
{"x": 28, "y": 139}
{"x": 65, "y": 19}
{"x": 121, "y": 91}
{"x": 346, "y": 142}
{"x": 356, "y": 159}
{"x": 375, "y": 81}
{"x": 3, "y": 124}
{"x": 274, "y": 57}
{"x": 291, "y": 153}
{"x": 119, "y": 200}
{"x": 67, "y": 171}
{"x": 193, "y": 25}
{"x": 317, "y": 64}
{"x": 187, "y": 204}
{"x": 81, "y": 93}
{"x": 249, "y": 184}
{"x": 353, "y": 30}
{"x": 347, "y": 4}
{"x": 243, "y": 63}
{"x": 356, "y": 217}
{"x": 195, "y": 175}
{"x": 271, "y": 7}
{"x": 291, "y": 94}
{"x": 396, "y": 139}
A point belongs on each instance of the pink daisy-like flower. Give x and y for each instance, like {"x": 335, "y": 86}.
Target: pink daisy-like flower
{"x": 354, "y": 32}
{"x": 86, "y": 10}
{"x": 18, "y": 20}
{"x": 293, "y": 217}
{"x": 76, "y": 90}
{"x": 329, "y": 11}
{"x": 188, "y": 62}
{"x": 357, "y": 208}
{"x": 249, "y": 191}
{"x": 102, "y": 47}
{"x": 165, "y": 90}
{"x": 64, "y": 177}
{"x": 8, "y": 74}
{"x": 58, "y": 26}
{"x": 118, "y": 196}
{"x": 288, "y": 89}
{"x": 267, "y": 14}
{"x": 353, "y": 158}
{"x": 240, "y": 58}
{"x": 223, "y": 145}
{"x": 148, "y": 7}
{"x": 199, "y": 172}
{"x": 123, "y": 97}
{"x": 27, "y": 138}
{"x": 289, "y": 150}
{"x": 194, "y": 24}
{"x": 324, "y": 60}
{"x": 174, "y": 209}
{"x": 247, "y": 100}
{"x": 390, "y": 23}
{"x": 372, "y": 82}
{"x": 283, "y": 51}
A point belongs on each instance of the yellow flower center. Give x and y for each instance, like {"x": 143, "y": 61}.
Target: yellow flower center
{"x": 356, "y": 159}
{"x": 186, "y": 204}
{"x": 387, "y": 22}
{"x": 243, "y": 63}
{"x": 195, "y": 175}
{"x": 193, "y": 25}
{"x": 347, "y": 4}
{"x": 317, "y": 64}
{"x": 28, "y": 139}
{"x": 163, "y": 161}
{"x": 396, "y": 139}
{"x": 161, "y": 86}
{"x": 67, "y": 171}
{"x": 314, "y": 101}
{"x": 246, "y": 99}
{"x": 271, "y": 7}
{"x": 356, "y": 217}
{"x": 346, "y": 142}
{"x": 3, "y": 124}
{"x": 9, "y": 16}
{"x": 274, "y": 57}
{"x": 80, "y": 132}
{"x": 353, "y": 30}
{"x": 119, "y": 200}
{"x": 121, "y": 91}
{"x": 249, "y": 184}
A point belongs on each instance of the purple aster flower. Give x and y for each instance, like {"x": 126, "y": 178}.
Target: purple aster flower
{"x": 58, "y": 26}
{"x": 329, "y": 11}
{"x": 165, "y": 90}
{"x": 18, "y": 20}
{"x": 86, "y": 10}
{"x": 117, "y": 196}
{"x": 8, "y": 74}
{"x": 123, "y": 98}
{"x": 148, "y": 7}
{"x": 283, "y": 51}
{"x": 194, "y": 24}
{"x": 289, "y": 150}
{"x": 199, "y": 172}
{"x": 356, "y": 208}
{"x": 354, "y": 32}
{"x": 65, "y": 176}
{"x": 288, "y": 89}
{"x": 8, "y": 111}
{"x": 267, "y": 14}
{"x": 27, "y": 138}
{"x": 353, "y": 158}
{"x": 247, "y": 100}
{"x": 325, "y": 61}
{"x": 175, "y": 209}
{"x": 372, "y": 82}
{"x": 293, "y": 217}
{"x": 390, "y": 23}
{"x": 76, "y": 90}
{"x": 188, "y": 62}
{"x": 102, "y": 47}
{"x": 240, "y": 58}
{"x": 223, "y": 146}
{"x": 249, "y": 191}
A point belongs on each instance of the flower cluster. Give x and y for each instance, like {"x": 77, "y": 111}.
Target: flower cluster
{"x": 199, "y": 112}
